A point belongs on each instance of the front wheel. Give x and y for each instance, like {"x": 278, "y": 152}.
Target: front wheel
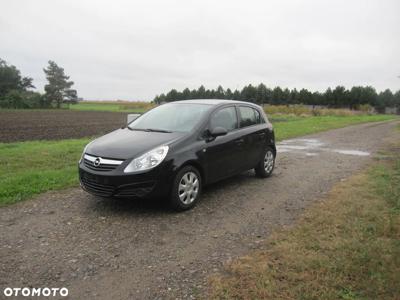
{"x": 265, "y": 167}
{"x": 186, "y": 189}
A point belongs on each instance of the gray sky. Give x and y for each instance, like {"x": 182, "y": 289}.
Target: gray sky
{"x": 134, "y": 50}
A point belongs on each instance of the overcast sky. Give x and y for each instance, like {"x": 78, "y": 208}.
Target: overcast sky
{"x": 134, "y": 50}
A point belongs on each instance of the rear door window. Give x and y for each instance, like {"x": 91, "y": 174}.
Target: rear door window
{"x": 259, "y": 119}
{"x": 248, "y": 116}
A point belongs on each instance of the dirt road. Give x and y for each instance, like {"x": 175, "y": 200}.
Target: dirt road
{"x": 140, "y": 250}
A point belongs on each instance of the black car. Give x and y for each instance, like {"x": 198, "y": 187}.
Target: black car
{"x": 175, "y": 149}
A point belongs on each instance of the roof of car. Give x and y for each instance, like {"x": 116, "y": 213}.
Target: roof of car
{"x": 213, "y": 101}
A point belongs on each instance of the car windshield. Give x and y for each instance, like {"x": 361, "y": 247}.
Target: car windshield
{"x": 173, "y": 117}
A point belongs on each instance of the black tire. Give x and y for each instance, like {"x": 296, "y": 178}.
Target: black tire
{"x": 177, "y": 199}
{"x": 264, "y": 168}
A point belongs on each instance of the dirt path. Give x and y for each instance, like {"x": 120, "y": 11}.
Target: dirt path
{"x": 140, "y": 250}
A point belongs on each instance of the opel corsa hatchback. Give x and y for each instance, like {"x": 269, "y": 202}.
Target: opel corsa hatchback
{"x": 175, "y": 149}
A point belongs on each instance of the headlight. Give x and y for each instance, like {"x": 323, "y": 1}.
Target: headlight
{"x": 84, "y": 151}
{"x": 148, "y": 160}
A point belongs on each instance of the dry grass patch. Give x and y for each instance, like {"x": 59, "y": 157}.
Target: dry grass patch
{"x": 346, "y": 247}
{"x": 302, "y": 110}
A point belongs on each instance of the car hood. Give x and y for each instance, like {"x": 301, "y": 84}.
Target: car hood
{"x": 126, "y": 143}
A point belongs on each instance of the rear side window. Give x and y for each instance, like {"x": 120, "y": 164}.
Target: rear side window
{"x": 259, "y": 119}
{"x": 225, "y": 118}
{"x": 249, "y": 116}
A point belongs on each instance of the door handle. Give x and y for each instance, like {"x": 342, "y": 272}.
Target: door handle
{"x": 239, "y": 141}
{"x": 261, "y": 135}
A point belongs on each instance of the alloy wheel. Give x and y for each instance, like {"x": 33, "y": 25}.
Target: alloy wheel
{"x": 269, "y": 161}
{"x": 188, "y": 188}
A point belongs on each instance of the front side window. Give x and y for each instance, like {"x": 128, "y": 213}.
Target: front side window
{"x": 248, "y": 116}
{"x": 175, "y": 117}
{"x": 225, "y": 118}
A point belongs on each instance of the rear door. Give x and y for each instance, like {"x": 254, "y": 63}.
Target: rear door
{"x": 253, "y": 134}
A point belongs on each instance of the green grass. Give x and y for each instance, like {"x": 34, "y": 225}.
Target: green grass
{"x": 96, "y": 107}
{"x": 346, "y": 247}
{"x": 86, "y": 106}
{"x": 113, "y": 107}
{"x": 293, "y": 126}
{"x": 30, "y": 168}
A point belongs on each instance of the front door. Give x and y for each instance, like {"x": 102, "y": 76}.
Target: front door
{"x": 223, "y": 153}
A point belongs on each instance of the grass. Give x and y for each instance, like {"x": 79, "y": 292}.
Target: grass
{"x": 31, "y": 168}
{"x": 346, "y": 247}
{"x": 114, "y": 106}
{"x": 111, "y": 106}
{"x": 302, "y": 110}
{"x": 292, "y": 126}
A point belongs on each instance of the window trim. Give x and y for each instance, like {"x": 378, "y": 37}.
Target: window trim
{"x": 261, "y": 117}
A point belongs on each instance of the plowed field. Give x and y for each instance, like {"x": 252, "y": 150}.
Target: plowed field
{"x": 56, "y": 124}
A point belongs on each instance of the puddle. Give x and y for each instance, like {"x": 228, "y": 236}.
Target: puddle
{"x": 351, "y": 152}
{"x": 280, "y": 150}
{"x": 293, "y": 147}
{"x": 311, "y": 154}
{"x": 313, "y": 147}
{"x": 299, "y": 144}
{"x": 308, "y": 143}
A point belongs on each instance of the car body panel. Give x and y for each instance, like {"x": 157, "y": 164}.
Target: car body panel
{"x": 222, "y": 156}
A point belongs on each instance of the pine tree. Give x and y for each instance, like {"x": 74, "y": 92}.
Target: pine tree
{"x": 59, "y": 88}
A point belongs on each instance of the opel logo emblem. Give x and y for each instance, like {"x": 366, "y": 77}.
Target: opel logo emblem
{"x": 97, "y": 162}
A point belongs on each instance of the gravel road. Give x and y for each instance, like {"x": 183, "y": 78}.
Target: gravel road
{"x": 110, "y": 249}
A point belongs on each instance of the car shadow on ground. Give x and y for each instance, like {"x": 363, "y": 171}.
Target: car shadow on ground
{"x": 160, "y": 206}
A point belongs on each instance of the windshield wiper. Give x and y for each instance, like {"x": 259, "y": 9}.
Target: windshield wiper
{"x": 137, "y": 129}
{"x": 150, "y": 130}
{"x": 157, "y": 130}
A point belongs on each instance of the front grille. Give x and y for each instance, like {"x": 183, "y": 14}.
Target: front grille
{"x": 100, "y": 164}
{"x": 135, "y": 190}
{"x": 102, "y": 167}
{"x": 95, "y": 187}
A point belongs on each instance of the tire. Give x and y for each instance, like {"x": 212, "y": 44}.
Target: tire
{"x": 186, "y": 189}
{"x": 266, "y": 166}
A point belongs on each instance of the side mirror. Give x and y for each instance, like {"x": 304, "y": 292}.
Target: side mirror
{"x": 131, "y": 117}
{"x": 218, "y": 131}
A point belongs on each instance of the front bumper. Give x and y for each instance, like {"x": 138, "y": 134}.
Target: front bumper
{"x": 154, "y": 183}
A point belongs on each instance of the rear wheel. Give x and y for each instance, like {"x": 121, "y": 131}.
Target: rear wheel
{"x": 266, "y": 166}
{"x": 186, "y": 188}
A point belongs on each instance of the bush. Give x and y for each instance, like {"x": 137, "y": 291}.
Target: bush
{"x": 316, "y": 112}
{"x": 22, "y": 99}
{"x": 286, "y": 109}
{"x": 366, "y": 108}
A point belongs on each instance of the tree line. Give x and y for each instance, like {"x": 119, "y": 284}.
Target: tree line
{"x": 338, "y": 97}
{"x": 16, "y": 90}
